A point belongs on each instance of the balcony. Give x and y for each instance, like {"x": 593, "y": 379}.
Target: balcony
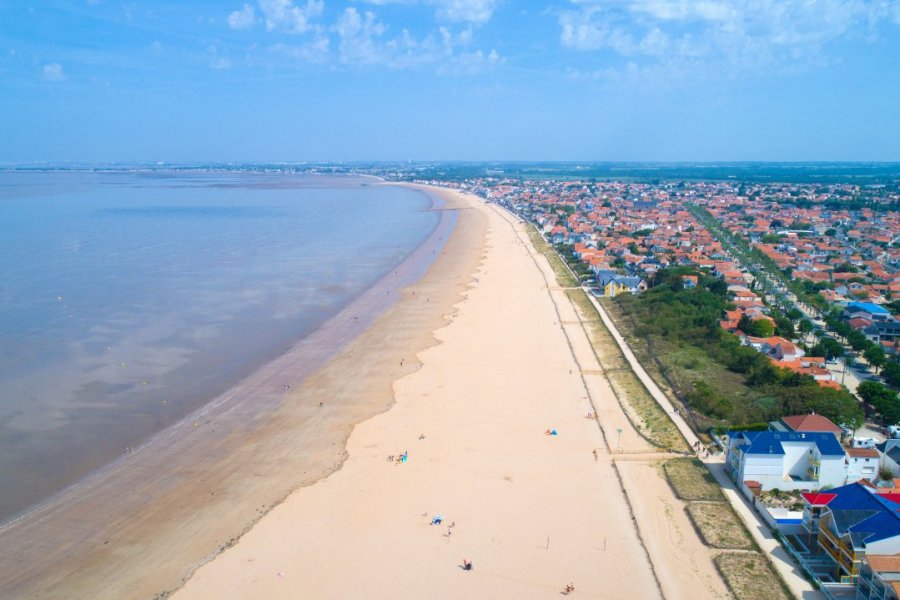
{"x": 831, "y": 550}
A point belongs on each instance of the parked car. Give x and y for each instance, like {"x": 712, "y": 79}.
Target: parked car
{"x": 861, "y": 442}
{"x": 894, "y": 431}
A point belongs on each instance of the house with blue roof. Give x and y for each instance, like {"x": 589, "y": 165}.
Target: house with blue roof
{"x": 867, "y": 310}
{"x": 785, "y": 460}
{"x": 855, "y": 521}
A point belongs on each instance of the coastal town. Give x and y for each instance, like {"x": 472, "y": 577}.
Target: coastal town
{"x": 807, "y": 285}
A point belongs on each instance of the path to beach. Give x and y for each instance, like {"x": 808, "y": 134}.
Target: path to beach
{"x": 532, "y": 512}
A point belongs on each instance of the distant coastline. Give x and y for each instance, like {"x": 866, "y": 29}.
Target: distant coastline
{"x": 859, "y": 172}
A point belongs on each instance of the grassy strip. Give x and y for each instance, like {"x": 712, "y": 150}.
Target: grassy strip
{"x": 718, "y": 526}
{"x": 750, "y": 577}
{"x": 691, "y": 480}
{"x": 654, "y": 424}
{"x": 564, "y": 277}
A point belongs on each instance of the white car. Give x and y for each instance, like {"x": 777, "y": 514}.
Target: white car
{"x": 860, "y": 442}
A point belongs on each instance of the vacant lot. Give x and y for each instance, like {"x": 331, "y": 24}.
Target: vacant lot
{"x": 719, "y": 526}
{"x": 676, "y": 366}
{"x": 750, "y": 577}
{"x": 691, "y": 480}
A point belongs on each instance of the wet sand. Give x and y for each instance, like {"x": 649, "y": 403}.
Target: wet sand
{"x": 533, "y": 512}
{"x": 140, "y": 526}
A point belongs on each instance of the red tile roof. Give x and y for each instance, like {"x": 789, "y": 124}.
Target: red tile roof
{"x": 810, "y": 423}
{"x": 862, "y": 452}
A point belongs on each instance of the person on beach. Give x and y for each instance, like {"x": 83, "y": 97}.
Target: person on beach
{"x": 467, "y": 566}
{"x": 569, "y": 589}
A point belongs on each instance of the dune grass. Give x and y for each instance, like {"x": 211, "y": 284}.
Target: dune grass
{"x": 749, "y": 576}
{"x": 691, "y": 480}
{"x": 718, "y": 526}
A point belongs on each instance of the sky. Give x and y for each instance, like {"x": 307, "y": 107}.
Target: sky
{"x": 424, "y": 80}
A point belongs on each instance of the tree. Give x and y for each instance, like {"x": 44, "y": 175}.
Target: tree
{"x": 891, "y": 373}
{"x": 875, "y": 355}
{"x": 762, "y": 328}
{"x": 857, "y": 340}
{"x": 882, "y": 399}
{"x": 845, "y": 268}
{"x": 784, "y": 327}
{"x": 830, "y": 348}
{"x": 837, "y": 405}
{"x": 805, "y": 326}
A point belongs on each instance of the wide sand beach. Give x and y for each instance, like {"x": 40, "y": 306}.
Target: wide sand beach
{"x": 533, "y": 512}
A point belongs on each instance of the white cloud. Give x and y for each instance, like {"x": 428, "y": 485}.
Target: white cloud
{"x": 466, "y": 11}
{"x": 242, "y": 19}
{"x": 53, "y": 72}
{"x": 739, "y": 33}
{"x": 315, "y": 51}
{"x": 363, "y": 40}
{"x": 283, "y": 15}
{"x": 360, "y": 37}
{"x": 477, "y": 12}
{"x": 357, "y": 34}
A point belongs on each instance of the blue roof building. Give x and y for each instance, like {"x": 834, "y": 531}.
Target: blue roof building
{"x": 856, "y": 521}
{"x": 869, "y": 307}
{"x": 785, "y": 460}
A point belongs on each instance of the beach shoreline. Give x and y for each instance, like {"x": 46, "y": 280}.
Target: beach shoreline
{"x": 223, "y": 463}
{"x": 472, "y": 431}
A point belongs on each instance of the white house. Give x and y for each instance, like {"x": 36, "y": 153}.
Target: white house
{"x": 786, "y": 460}
{"x": 862, "y": 463}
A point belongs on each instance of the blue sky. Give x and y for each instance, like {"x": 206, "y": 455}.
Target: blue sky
{"x": 292, "y": 80}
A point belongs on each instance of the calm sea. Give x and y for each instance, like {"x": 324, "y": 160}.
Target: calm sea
{"x": 129, "y": 299}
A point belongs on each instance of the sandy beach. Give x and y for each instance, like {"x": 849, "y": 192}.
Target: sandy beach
{"x": 533, "y": 512}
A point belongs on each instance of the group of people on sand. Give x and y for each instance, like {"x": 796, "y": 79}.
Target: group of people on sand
{"x": 399, "y": 458}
